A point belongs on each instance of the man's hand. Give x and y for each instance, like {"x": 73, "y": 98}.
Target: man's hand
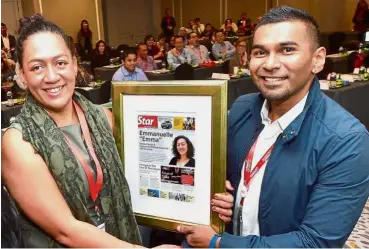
{"x": 6, "y": 50}
{"x": 223, "y": 204}
{"x": 197, "y": 236}
{"x": 170, "y": 27}
{"x": 175, "y": 52}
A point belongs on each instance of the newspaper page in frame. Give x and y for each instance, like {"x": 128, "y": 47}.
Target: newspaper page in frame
{"x": 167, "y": 167}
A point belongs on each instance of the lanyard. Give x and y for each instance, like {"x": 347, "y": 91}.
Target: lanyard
{"x": 95, "y": 187}
{"x": 248, "y": 173}
{"x": 198, "y": 52}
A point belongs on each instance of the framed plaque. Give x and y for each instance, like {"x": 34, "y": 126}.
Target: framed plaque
{"x": 171, "y": 137}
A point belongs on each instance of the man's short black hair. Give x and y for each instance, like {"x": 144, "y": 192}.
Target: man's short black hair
{"x": 289, "y": 14}
{"x": 189, "y": 35}
{"x": 177, "y": 37}
{"x": 128, "y": 52}
{"x": 140, "y": 45}
{"x": 3, "y": 24}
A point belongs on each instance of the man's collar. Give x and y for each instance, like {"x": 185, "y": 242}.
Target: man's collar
{"x": 285, "y": 120}
{"x": 125, "y": 71}
{"x": 312, "y": 102}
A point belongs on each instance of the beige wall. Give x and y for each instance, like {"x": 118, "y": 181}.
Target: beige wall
{"x": 331, "y": 15}
{"x": 251, "y": 7}
{"x": 28, "y": 7}
{"x": 206, "y": 12}
{"x": 68, "y": 14}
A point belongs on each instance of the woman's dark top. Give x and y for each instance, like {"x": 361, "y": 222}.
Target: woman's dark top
{"x": 190, "y": 163}
{"x": 99, "y": 60}
{"x": 153, "y": 51}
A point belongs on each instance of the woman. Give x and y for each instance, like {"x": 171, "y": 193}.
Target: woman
{"x": 153, "y": 50}
{"x": 172, "y": 43}
{"x": 229, "y": 26}
{"x": 7, "y": 73}
{"x": 239, "y": 59}
{"x": 85, "y": 40}
{"x": 183, "y": 32}
{"x": 56, "y": 171}
{"x": 360, "y": 18}
{"x": 161, "y": 44}
{"x": 83, "y": 78}
{"x": 100, "y": 56}
{"x": 209, "y": 32}
{"x": 8, "y": 61}
{"x": 183, "y": 151}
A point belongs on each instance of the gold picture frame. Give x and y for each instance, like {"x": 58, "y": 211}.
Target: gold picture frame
{"x": 217, "y": 90}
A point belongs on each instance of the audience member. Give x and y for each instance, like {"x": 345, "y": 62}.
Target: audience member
{"x": 239, "y": 59}
{"x": 83, "y": 78}
{"x": 84, "y": 38}
{"x": 153, "y": 50}
{"x": 209, "y": 32}
{"x": 241, "y": 24}
{"x": 168, "y": 24}
{"x": 249, "y": 28}
{"x": 361, "y": 17}
{"x": 7, "y": 73}
{"x": 191, "y": 27}
{"x": 161, "y": 43}
{"x": 129, "y": 71}
{"x": 222, "y": 49}
{"x": 183, "y": 33}
{"x": 179, "y": 54}
{"x": 171, "y": 43}
{"x": 100, "y": 56}
{"x": 9, "y": 62}
{"x": 8, "y": 42}
{"x": 198, "y": 53}
{"x": 144, "y": 61}
{"x": 199, "y": 27}
{"x": 229, "y": 26}
{"x": 298, "y": 160}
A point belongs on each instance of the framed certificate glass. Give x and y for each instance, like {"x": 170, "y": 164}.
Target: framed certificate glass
{"x": 171, "y": 137}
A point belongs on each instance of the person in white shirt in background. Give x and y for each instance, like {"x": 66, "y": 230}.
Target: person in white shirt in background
{"x": 199, "y": 27}
{"x": 222, "y": 48}
{"x": 178, "y": 55}
{"x": 198, "y": 53}
{"x": 229, "y": 24}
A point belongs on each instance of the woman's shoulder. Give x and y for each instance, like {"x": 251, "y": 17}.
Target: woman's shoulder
{"x": 173, "y": 161}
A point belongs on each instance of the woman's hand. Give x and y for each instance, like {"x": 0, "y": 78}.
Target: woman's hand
{"x": 223, "y": 204}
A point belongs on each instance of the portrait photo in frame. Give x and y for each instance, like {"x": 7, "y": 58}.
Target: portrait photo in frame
{"x": 172, "y": 139}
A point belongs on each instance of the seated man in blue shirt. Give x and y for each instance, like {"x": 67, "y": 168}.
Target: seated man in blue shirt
{"x": 178, "y": 55}
{"x": 298, "y": 161}
{"x": 222, "y": 49}
{"x": 129, "y": 71}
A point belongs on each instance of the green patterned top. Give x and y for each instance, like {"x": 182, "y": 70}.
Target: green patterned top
{"x": 48, "y": 140}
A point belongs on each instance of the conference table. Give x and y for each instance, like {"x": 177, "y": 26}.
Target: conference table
{"x": 200, "y": 73}
{"x": 7, "y": 112}
{"x": 354, "y": 98}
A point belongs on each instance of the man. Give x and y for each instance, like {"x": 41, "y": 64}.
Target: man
{"x": 198, "y": 53}
{"x": 144, "y": 61}
{"x": 241, "y": 24}
{"x": 178, "y": 55}
{"x": 8, "y": 42}
{"x": 199, "y": 27}
{"x": 312, "y": 155}
{"x": 168, "y": 23}
{"x": 222, "y": 49}
{"x": 129, "y": 71}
